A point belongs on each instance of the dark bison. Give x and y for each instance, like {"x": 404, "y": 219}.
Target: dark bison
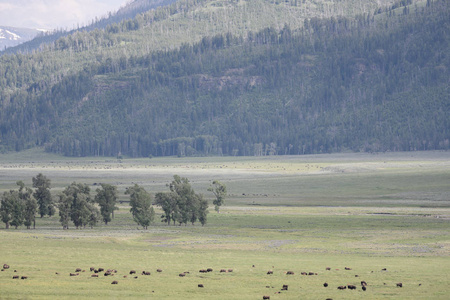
{"x": 363, "y": 283}
{"x": 342, "y": 287}
{"x": 328, "y": 268}
{"x": 73, "y": 274}
{"x": 132, "y": 272}
{"x": 200, "y": 285}
{"x": 24, "y": 277}
{"x": 92, "y": 269}
{"x": 115, "y": 282}
{"x": 158, "y": 270}
{"x": 285, "y": 287}
{"x": 16, "y": 277}
{"x": 5, "y": 266}
{"x": 77, "y": 270}
{"x": 290, "y": 273}
{"x": 269, "y": 272}
{"x": 364, "y": 288}
{"x": 101, "y": 269}
{"x": 399, "y": 284}
{"x": 266, "y": 297}
{"x": 325, "y": 284}
{"x": 351, "y": 287}
{"x": 209, "y": 270}
{"x": 145, "y": 273}
{"x": 230, "y": 270}
{"x": 182, "y": 274}
{"x": 203, "y": 271}
{"x": 94, "y": 275}
{"x": 223, "y": 271}
{"x": 347, "y": 268}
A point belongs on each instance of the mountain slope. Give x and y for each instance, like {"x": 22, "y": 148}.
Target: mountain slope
{"x": 11, "y": 36}
{"x": 368, "y": 83}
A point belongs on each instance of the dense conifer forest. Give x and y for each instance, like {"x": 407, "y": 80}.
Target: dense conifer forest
{"x": 230, "y": 77}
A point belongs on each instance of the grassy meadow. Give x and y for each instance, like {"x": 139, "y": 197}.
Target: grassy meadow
{"x": 366, "y": 212}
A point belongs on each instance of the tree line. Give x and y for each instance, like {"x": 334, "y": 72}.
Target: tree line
{"x": 75, "y": 204}
{"x": 375, "y": 82}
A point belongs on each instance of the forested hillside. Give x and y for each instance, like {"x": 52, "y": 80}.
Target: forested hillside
{"x": 238, "y": 78}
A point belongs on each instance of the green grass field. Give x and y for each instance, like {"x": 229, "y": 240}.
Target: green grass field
{"x": 299, "y": 213}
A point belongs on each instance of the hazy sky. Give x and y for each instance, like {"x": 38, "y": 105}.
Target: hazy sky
{"x": 52, "y": 14}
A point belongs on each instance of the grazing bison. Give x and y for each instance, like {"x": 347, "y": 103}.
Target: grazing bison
{"x": 266, "y": 297}
{"x": 94, "y": 275}
{"x": 285, "y": 287}
{"x": 24, "y": 277}
{"x": 200, "y": 285}
{"x": 304, "y": 273}
{"x": 101, "y": 269}
{"x": 115, "y": 282}
{"x": 364, "y": 288}
{"x": 290, "y": 273}
{"x": 145, "y": 273}
{"x": 269, "y": 272}
{"x": 182, "y": 274}
{"x": 5, "y": 266}
{"x": 363, "y": 283}
{"x": 73, "y": 274}
{"x": 77, "y": 270}
{"x": 158, "y": 270}
{"x": 325, "y": 284}
{"x": 347, "y": 268}
{"x": 312, "y": 273}
{"x": 92, "y": 269}
{"x": 399, "y": 284}
{"x": 342, "y": 287}
{"x": 108, "y": 273}
{"x": 223, "y": 271}
{"x": 328, "y": 268}
{"x": 132, "y": 272}
{"x": 351, "y": 287}
{"x": 203, "y": 271}
{"x": 230, "y": 270}
{"x": 209, "y": 270}
{"x": 16, "y": 277}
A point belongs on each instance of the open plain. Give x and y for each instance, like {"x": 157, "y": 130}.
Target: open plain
{"x": 379, "y": 218}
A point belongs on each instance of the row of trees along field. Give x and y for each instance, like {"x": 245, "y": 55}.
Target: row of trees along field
{"x": 376, "y": 82}
{"x": 179, "y": 205}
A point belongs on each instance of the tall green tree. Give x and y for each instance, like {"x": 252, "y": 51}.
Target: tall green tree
{"x": 220, "y": 192}
{"x": 181, "y": 204}
{"x": 81, "y": 209}
{"x": 106, "y": 198}
{"x": 29, "y": 204}
{"x": 43, "y": 196}
{"x": 141, "y": 205}
{"x": 202, "y": 210}
{"x": 64, "y": 204}
{"x": 8, "y": 203}
{"x": 168, "y": 203}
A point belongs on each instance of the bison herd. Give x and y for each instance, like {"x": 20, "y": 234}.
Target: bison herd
{"x": 112, "y": 272}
